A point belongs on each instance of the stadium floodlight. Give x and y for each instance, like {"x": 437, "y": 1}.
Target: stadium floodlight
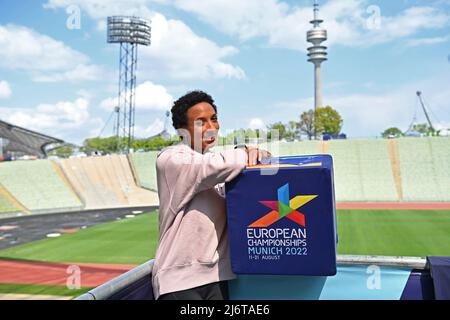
{"x": 123, "y": 29}
{"x": 129, "y": 32}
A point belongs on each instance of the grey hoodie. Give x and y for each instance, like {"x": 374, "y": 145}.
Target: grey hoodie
{"x": 193, "y": 243}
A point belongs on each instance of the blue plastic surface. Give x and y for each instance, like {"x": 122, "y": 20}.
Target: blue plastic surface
{"x": 282, "y": 219}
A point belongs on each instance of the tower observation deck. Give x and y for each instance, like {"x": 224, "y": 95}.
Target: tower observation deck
{"x": 317, "y": 53}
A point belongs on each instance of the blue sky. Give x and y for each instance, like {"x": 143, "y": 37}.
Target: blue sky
{"x": 249, "y": 55}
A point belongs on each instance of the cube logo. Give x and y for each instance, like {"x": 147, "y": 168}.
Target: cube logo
{"x": 284, "y": 208}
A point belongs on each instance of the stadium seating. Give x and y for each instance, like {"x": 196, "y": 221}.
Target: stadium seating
{"x": 425, "y": 168}
{"x": 37, "y": 186}
{"x": 144, "y": 169}
{"x": 441, "y": 158}
{"x": 106, "y": 182}
{"x": 295, "y": 148}
{"x": 405, "y": 169}
{"x": 362, "y": 170}
{"x": 411, "y": 169}
{"x": 6, "y": 206}
{"x": 376, "y": 172}
{"x": 347, "y": 171}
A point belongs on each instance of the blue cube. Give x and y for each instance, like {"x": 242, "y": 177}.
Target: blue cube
{"x": 282, "y": 217}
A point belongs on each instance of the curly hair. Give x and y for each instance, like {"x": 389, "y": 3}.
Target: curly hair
{"x": 182, "y": 105}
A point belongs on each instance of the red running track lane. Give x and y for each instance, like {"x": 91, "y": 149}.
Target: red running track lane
{"x": 393, "y": 205}
{"x": 56, "y": 274}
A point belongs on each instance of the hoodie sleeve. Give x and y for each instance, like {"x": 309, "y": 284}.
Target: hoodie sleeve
{"x": 188, "y": 172}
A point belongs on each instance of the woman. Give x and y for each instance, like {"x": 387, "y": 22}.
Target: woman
{"x": 192, "y": 260}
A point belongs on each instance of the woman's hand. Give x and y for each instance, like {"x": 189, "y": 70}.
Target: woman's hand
{"x": 255, "y": 155}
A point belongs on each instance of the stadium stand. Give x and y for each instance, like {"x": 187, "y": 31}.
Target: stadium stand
{"x": 390, "y": 170}
{"x": 6, "y": 205}
{"x": 425, "y": 168}
{"x": 441, "y": 158}
{"x": 37, "y": 186}
{"x": 324, "y": 147}
{"x": 106, "y": 182}
{"x": 376, "y": 172}
{"x": 18, "y": 141}
{"x": 362, "y": 170}
{"x": 144, "y": 169}
{"x": 295, "y": 148}
{"x": 395, "y": 165}
{"x": 282, "y": 148}
{"x": 409, "y": 169}
{"x": 347, "y": 179}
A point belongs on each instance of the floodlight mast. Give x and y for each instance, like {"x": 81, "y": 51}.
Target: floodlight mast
{"x": 129, "y": 32}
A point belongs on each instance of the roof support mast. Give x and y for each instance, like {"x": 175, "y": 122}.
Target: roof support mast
{"x": 419, "y": 94}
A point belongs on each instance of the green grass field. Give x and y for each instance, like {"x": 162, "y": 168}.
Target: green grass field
{"x": 134, "y": 241}
{"x": 394, "y": 232}
{"x": 128, "y": 241}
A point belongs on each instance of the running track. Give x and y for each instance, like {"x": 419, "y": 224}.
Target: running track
{"x": 58, "y": 274}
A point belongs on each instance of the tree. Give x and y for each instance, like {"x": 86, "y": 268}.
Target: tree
{"x": 62, "y": 152}
{"x": 396, "y": 132}
{"x": 292, "y": 129}
{"x": 323, "y": 120}
{"x": 306, "y": 124}
{"x": 104, "y": 145}
{"x": 278, "y": 126}
{"x": 421, "y": 128}
{"x": 156, "y": 143}
{"x": 241, "y": 136}
{"x": 328, "y": 120}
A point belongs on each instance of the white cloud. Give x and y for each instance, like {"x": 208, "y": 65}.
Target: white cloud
{"x": 367, "y": 115}
{"x": 407, "y": 23}
{"x": 64, "y": 119}
{"x": 5, "y": 90}
{"x": 256, "y": 123}
{"x": 149, "y": 96}
{"x": 427, "y": 41}
{"x": 349, "y": 23}
{"x": 46, "y": 59}
{"x": 99, "y": 9}
{"x": 157, "y": 126}
{"x": 176, "y": 51}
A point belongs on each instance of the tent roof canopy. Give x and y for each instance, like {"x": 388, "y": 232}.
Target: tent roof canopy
{"x": 24, "y": 141}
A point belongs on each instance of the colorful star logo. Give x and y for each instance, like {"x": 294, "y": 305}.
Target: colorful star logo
{"x": 283, "y": 208}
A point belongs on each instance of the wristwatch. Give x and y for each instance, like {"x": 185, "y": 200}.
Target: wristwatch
{"x": 241, "y": 146}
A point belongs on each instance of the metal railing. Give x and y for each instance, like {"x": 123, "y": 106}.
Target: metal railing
{"x": 110, "y": 288}
{"x": 395, "y": 261}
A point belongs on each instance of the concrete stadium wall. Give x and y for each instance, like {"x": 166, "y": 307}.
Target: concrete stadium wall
{"x": 106, "y": 182}
{"x": 144, "y": 169}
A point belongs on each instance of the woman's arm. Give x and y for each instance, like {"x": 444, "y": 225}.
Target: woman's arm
{"x": 188, "y": 173}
